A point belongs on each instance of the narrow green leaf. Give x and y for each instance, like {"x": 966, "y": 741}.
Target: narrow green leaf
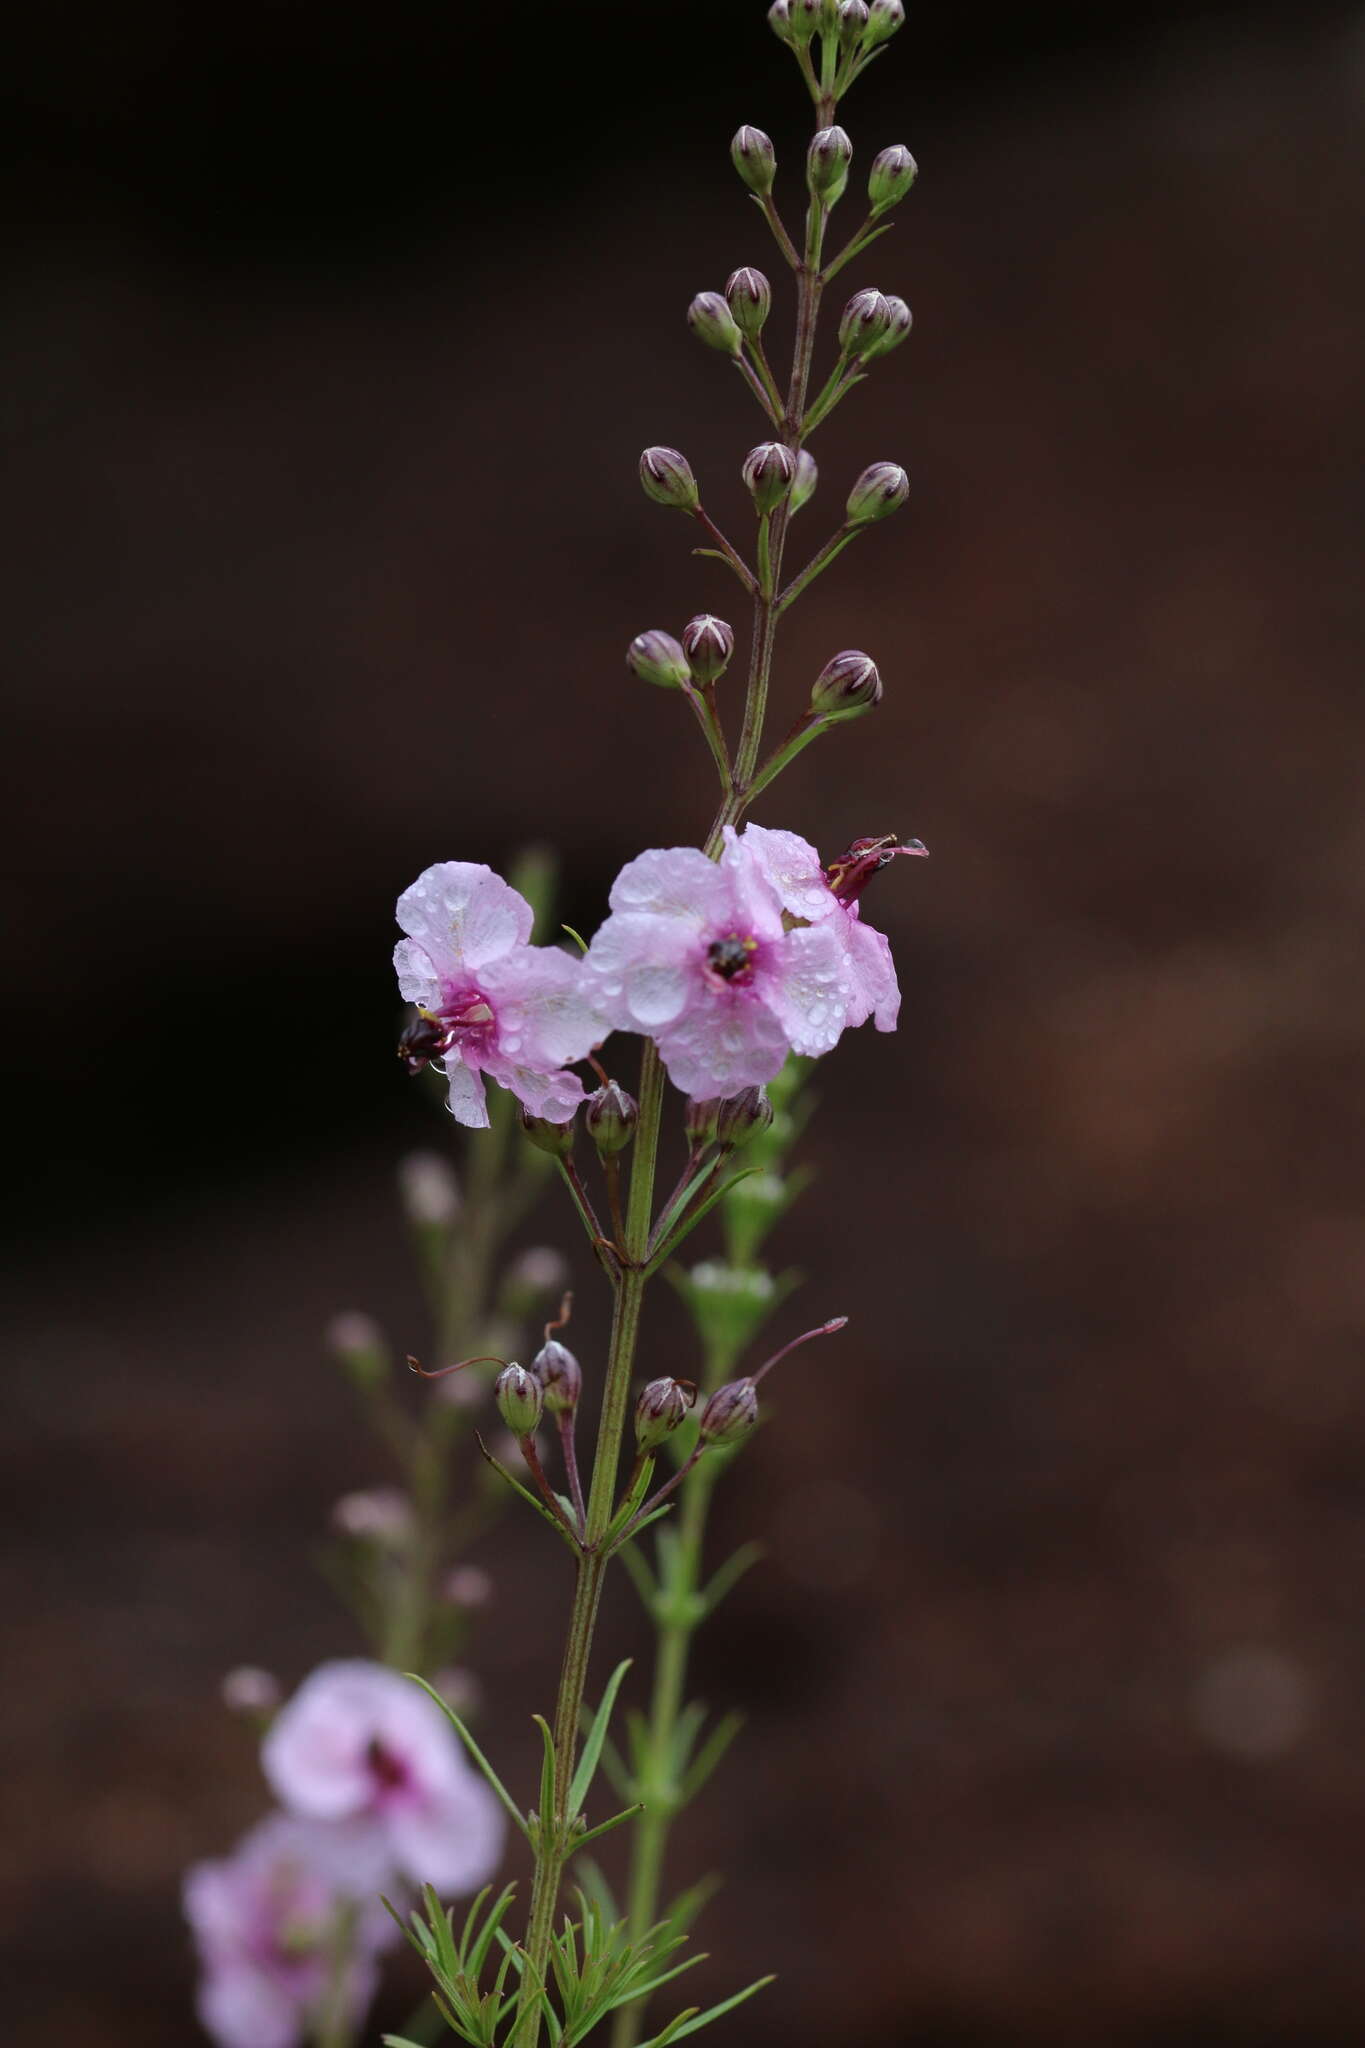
{"x": 694, "y": 2023}
{"x": 595, "y": 1891}
{"x": 690, "y": 1222}
{"x": 597, "y": 1735}
{"x": 688, "y": 1905}
{"x": 480, "y": 1760}
{"x": 630, "y": 1506}
{"x": 547, "y": 1778}
{"x": 478, "y": 1955}
{"x": 605, "y": 1827}
{"x": 640, "y": 1575}
{"x": 577, "y": 937}
{"x": 644, "y": 1523}
{"x": 712, "y": 1750}
{"x": 532, "y": 1499}
{"x": 729, "y": 1575}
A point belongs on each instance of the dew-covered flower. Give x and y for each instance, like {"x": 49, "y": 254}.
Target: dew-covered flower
{"x": 827, "y": 898}
{"x": 489, "y": 1001}
{"x": 713, "y": 962}
{"x": 359, "y": 1741}
{"x": 267, "y": 1921}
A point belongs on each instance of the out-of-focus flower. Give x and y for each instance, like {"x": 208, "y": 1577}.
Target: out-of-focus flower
{"x": 249, "y": 1690}
{"x": 699, "y": 954}
{"x": 381, "y": 1515}
{"x": 467, "y": 1586}
{"x": 358, "y": 1741}
{"x": 266, "y": 1922}
{"x": 430, "y": 1191}
{"x": 490, "y": 1002}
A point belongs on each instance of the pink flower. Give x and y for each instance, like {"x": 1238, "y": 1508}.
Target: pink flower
{"x": 360, "y": 1741}
{"x": 491, "y": 1003}
{"x": 266, "y": 1922}
{"x": 730, "y": 964}
{"x": 829, "y": 896}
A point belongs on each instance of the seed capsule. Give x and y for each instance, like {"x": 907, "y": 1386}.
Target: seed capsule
{"x": 846, "y": 686}
{"x": 750, "y": 299}
{"x": 657, "y": 658}
{"x": 882, "y": 489}
{"x": 560, "y": 1377}
{"x": 519, "y": 1399}
{"x": 893, "y": 172}
{"x": 730, "y": 1413}
{"x": 667, "y": 478}
{"x": 662, "y": 1405}
{"x": 712, "y": 322}
{"x": 769, "y": 471}
{"x": 708, "y": 644}
{"x": 753, "y": 156}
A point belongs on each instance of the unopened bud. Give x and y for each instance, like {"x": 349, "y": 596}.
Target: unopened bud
{"x": 769, "y": 471}
{"x": 519, "y": 1398}
{"x": 755, "y": 159}
{"x": 556, "y": 1139}
{"x": 360, "y": 1346}
{"x": 560, "y": 1377}
{"x": 893, "y": 172}
{"x": 657, "y": 658}
{"x": 712, "y": 322}
{"x": 827, "y": 162}
{"x": 610, "y": 1117}
{"x": 853, "y": 19}
{"x": 865, "y": 319}
{"x": 882, "y": 488}
{"x": 250, "y": 1690}
{"x": 898, "y": 326}
{"x": 846, "y": 686}
{"x": 743, "y": 1116}
{"x": 661, "y": 1407}
{"x": 430, "y": 1191}
{"x": 730, "y": 1413}
{"x": 780, "y": 20}
{"x": 700, "y": 1121}
{"x": 750, "y": 299}
{"x": 802, "y": 20}
{"x": 708, "y": 644}
{"x": 667, "y": 478}
{"x": 884, "y": 17}
{"x": 803, "y": 488}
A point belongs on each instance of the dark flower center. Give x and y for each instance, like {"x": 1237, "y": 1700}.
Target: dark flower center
{"x": 732, "y": 957}
{"x": 389, "y": 1772}
{"x": 463, "y": 1016}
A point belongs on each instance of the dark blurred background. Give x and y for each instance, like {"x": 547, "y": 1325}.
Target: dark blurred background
{"x": 332, "y": 341}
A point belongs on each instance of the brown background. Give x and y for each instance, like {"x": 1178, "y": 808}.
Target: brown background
{"x": 334, "y": 343}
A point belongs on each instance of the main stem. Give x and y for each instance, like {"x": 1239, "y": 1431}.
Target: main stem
{"x": 553, "y": 1848}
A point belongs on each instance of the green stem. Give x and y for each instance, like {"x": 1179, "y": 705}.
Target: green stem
{"x": 553, "y": 1846}
{"x": 835, "y": 545}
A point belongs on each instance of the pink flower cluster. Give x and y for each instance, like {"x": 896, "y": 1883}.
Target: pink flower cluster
{"x": 376, "y": 1796}
{"x": 728, "y": 965}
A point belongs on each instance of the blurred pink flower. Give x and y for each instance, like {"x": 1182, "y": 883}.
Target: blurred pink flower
{"x": 710, "y": 959}
{"x": 358, "y": 1740}
{"x": 267, "y": 1921}
{"x": 497, "y": 1005}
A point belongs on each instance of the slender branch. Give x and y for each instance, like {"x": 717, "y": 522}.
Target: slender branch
{"x": 780, "y": 235}
{"x": 732, "y": 555}
{"x": 833, "y": 547}
{"x": 772, "y": 406}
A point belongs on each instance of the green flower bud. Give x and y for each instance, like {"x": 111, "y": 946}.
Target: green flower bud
{"x": 899, "y": 325}
{"x": 846, "y": 686}
{"x": 753, "y": 156}
{"x": 556, "y": 1139}
{"x": 730, "y": 1414}
{"x": 657, "y": 658}
{"x": 667, "y": 478}
{"x": 750, "y": 299}
{"x": 893, "y": 172}
{"x": 863, "y": 322}
{"x": 712, "y": 322}
{"x": 519, "y": 1399}
{"x": 700, "y": 1121}
{"x": 662, "y": 1405}
{"x": 780, "y": 22}
{"x": 882, "y": 488}
{"x": 769, "y": 471}
{"x": 807, "y": 477}
{"x": 611, "y": 1116}
{"x": 742, "y": 1117}
{"x": 884, "y": 17}
{"x": 708, "y": 644}
{"x": 805, "y": 17}
{"x": 560, "y": 1377}
{"x": 361, "y": 1349}
{"x": 852, "y": 22}
{"x": 827, "y": 162}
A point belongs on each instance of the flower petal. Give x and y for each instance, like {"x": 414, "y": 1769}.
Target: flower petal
{"x": 555, "y": 1094}
{"x": 792, "y": 866}
{"x": 671, "y": 881}
{"x": 874, "y": 989}
{"x": 728, "y": 1042}
{"x": 643, "y": 968}
{"x": 454, "y": 1843}
{"x": 809, "y": 991}
{"x": 418, "y": 981}
{"x": 468, "y": 1104}
{"x": 545, "y": 1013}
{"x": 463, "y": 915}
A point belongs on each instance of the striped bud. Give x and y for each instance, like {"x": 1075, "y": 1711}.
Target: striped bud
{"x": 667, "y": 479}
